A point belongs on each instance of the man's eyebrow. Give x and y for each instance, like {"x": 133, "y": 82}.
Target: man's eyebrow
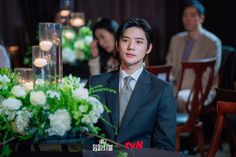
{"x": 139, "y": 38}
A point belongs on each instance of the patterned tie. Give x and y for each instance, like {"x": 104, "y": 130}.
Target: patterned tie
{"x": 125, "y": 96}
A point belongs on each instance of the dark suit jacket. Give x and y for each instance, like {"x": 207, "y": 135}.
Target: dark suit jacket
{"x": 151, "y": 112}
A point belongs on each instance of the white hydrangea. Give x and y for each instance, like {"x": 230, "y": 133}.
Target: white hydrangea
{"x": 97, "y": 105}
{"x": 88, "y": 39}
{"x": 60, "y": 122}
{"x": 38, "y": 98}
{"x": 80, "y": 93}
{"x": 93, "y": 116}
{"x": 83, "y": 108}
{"x": 22, "y": 121}
{"x": 4, "y": 80}
{"x": 11, "y": 104}
{"x": 19, "y": 91}
{"x": 53, "y": 94}
{"x": 79, "y": 44}
{"x": 68, "y": 55}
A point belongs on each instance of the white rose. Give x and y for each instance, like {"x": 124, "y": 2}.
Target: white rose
{"x": 19, "y": 91}
{"x": 80, "y": 93}
{"x": 38, "y": 98}
{"x": 12, "y": 103}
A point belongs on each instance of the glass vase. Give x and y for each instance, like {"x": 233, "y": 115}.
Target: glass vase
{"x": 50, "y": 47}
{"x": 24, "y": 77}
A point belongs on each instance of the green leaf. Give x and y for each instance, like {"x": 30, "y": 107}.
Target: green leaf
{"x": 6, "y": 151}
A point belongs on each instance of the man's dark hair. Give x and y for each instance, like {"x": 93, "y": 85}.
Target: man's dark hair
{"x": 107, "y": 24}
{"x": 135, "y": 22}
{"x": 196, "y": 4}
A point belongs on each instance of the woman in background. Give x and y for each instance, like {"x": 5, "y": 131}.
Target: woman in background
{"x": 103, "y": 56}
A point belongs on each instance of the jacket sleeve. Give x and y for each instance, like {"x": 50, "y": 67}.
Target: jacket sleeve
{"x": 165, "y": 127}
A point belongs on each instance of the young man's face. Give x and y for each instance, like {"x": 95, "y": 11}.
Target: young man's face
{"x": 132, "y": 47}
{"x": 192, "y": 19}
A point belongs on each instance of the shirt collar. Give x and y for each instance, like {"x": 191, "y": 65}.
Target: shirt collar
{"x": 135, "y": 75}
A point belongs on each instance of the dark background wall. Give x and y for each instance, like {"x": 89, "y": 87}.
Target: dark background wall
{"x": 20, "y": 18}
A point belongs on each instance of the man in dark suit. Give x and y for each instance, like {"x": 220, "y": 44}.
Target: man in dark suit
{"x": 149, "y": 114}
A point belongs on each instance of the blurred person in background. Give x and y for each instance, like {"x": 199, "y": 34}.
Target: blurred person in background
{"x": 103, "y": 56}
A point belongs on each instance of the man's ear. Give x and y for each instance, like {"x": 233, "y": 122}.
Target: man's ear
{"x": 202, "y": 18}
{"x": 117, "y": 46}
{"x": 149, "y": 49}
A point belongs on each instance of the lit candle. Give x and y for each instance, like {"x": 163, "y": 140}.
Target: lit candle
{"x": 40, "y": 62}
{"x": 45, "y": 45}
{"x": 65, "y": 13}
{"x": 77, "y": 22}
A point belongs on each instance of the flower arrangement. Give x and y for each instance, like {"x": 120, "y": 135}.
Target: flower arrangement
{"x": 76, "y": 44}
{"x": 47, "y": 110}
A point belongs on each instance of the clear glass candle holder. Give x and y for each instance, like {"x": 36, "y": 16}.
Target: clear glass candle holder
{"x": 77, "y": 19}
{"x": 24, "y": 76}
{"x": 50, "y": 46}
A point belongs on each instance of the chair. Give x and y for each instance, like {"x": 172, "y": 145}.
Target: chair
{"x": 230, "y": 96}
{"x": 160, "y": 69}
{"x": 223, "y": 108}
{"x": 189, "y": 122}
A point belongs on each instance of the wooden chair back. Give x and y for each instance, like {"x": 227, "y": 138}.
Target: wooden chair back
{"x": 198, "y": 93}
{"x": 160, "y": 69}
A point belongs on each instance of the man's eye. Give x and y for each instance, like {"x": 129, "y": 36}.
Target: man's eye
{"x": 139, "y": 42}
{"x": 125, "y": 40}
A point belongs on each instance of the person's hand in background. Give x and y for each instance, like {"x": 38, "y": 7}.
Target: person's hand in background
{"x": 94, "y": 49}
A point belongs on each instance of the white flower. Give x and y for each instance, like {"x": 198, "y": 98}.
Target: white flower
{"x": 68, "y": 56}
{"x": 83, "y": 108}
{"x": 97, "y": 105}
{"x": 53, "y": 94}
{"x": 80, "y": 93}
{"x": 19, "y": 91}
{"x": 3, "y": 82}
{"x": 12, "y": 103}
{"x": 80, "y": 55}
{"x": 79, "y": 44}
{"x": 88, "y": 39}
{"x": 29, "y": 85}
{"x": 11, "y": 115}
{"x": 22, "y": 121}
{"x": 39, "y": 81}
{"x": 45, "y": 45}
{"x": 38, "y": 98}
{"x": 60, "y": 122}
{"x": 69, "y": 35}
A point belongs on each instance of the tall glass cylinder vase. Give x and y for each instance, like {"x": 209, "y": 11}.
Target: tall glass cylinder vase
{"x": 50, "y": 46}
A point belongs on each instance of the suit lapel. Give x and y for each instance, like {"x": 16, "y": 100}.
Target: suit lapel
{"x": 139, "y": 94}
{"x": 113, "y": 99}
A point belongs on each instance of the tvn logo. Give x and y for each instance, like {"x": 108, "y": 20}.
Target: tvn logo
{"x": 135, "y": 145}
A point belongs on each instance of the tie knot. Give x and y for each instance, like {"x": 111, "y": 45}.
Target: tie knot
{"x": 128, "y": 79}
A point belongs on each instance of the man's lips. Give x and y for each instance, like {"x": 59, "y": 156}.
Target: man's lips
{"x": 130, "y": 55}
